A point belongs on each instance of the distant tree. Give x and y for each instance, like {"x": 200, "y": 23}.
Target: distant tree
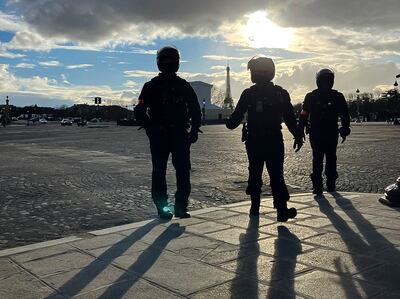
{"x": 217, "y": 96}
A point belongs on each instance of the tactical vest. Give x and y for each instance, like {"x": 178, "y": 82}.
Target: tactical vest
{"x": 265, "y": 108}
{"x": 169, "y": 105}
{"x": 324, "y": 113}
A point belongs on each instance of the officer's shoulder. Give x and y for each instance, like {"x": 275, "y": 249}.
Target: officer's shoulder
{"x": 312, "y": 94}
{"x": 337, "y": 93}
{"x": 153, "y": 81}
{"x": 181, "y": 80}
{"x": 280, "y": 89}
{"x": 147, "y": 85}
{"x": 183, "y": 83}
{"x": 248, "y": 90}
{"x": 282, "y": 93}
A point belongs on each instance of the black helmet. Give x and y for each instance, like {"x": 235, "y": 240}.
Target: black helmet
{"x": 168, "y": 59}
{"x": 325, "y": 79}
{"x": 262, "y": 69}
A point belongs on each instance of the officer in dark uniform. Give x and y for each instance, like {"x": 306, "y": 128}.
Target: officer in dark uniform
{"x": 266, "y": 105}
{"x": 321, "y": 108}
{"x": 169, "y": 111}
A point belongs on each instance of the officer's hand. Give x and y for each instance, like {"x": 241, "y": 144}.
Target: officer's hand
{"x": 194, "y": 135}
{"x": 227, "y": 123}
{"x": 298, "y": 144}
{"x": 344, "y": 132}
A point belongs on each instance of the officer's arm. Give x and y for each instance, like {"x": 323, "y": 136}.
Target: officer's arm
{"x": 305, "y": 112}
{"x": 194, "y": 108}
{"x": 140, "y": 110}
{"x": 344, "y": 112}
{"x": 288, "y": 114}
{"x": 237, "y": 116}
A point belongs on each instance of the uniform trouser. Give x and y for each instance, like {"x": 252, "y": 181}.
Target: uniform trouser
{"x": 324, "y": 147}
{"x": 161, "y": 146}
{"x": 271, "y": 152}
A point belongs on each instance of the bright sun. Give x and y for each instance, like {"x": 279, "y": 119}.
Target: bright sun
{"x": 262, "y": 33}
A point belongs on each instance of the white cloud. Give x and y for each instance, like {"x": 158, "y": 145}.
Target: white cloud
{"x": 218, "y": 67}
{"x": 299, "y": 76}
{"x": 44, "y": 88}
{"x": 145, "y": 52}
{"x": 225, "y": 58}
{"x": 10, "y": 55}
{"x": 79, "y": 66}
{"x": 130, "y": 84}
{"x": 50, "y": 63}
{"x": 140, "y": 74}
{"x": 64, "y": 79}
{"x": 25, "y": 65}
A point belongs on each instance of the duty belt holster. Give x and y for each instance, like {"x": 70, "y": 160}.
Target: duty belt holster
{"x": 245, "y": 132}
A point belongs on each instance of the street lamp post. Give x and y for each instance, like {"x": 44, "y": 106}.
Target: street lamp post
{"x": 204, "y": 112}
{"x": 97, "y": 101}
{"x": 6, "y": 113}
{"x": 358, "y": 104}
{"x": 396, "y": 93}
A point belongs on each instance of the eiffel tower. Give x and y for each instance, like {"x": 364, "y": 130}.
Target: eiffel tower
{"x": 228, "y": 101}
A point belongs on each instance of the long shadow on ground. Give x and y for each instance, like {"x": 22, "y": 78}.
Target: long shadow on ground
{"x": 368, "y": 243}
{"x": 146, "y": 259}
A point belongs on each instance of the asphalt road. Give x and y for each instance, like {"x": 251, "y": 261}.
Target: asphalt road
{"x": 57, "y": 181}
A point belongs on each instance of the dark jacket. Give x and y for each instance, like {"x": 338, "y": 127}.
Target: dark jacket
{"x": 323, "y": 110}
{"x": 267, "y": 105}
{"x": 168, "y": 101}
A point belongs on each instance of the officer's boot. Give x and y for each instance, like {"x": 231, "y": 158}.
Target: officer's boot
{"x": 330, "y": 185}
{"x": 284, "y": 214}
{"x": 317, "y": 184}
{"x": 181, "y": 209}
{"x": 164, "y": 212}
{"x": 255, "y": 205}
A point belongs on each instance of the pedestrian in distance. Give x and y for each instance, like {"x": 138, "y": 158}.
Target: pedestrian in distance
{"x": 266, "y": 105}
{"x": 169, "y": 111}
{"x": 320, "y": 114}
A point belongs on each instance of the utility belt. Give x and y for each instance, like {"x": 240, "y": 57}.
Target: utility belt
{"x": 261, "y": 134}
{"x": 166, "y": 129}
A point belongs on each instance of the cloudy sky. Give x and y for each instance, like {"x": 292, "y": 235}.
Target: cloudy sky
{"x": 55, "y": 52}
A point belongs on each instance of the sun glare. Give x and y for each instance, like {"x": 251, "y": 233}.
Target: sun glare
{"x": 262, "y": 33}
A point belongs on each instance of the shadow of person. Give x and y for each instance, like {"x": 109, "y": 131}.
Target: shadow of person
{"x": 88, "y": 274}
{"x": 362, "y": 245}
{"x": 245, "y": 284}
{"x": 143, "y": 263}
{"x": 287, "y": 248}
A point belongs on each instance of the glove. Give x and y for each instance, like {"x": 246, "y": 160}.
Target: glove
{"x": 228, "y": 123}
{"x": 298, "y": 143}
{"x": 344, "y": 132}
{"x": 194, "y": 135}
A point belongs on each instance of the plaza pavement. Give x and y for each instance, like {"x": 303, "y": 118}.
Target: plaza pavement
{"x": 59, "y": 181}
{"x": 341, "y": 245}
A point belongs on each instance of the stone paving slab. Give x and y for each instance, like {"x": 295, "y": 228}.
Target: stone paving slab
{"x": 343, "y": 245}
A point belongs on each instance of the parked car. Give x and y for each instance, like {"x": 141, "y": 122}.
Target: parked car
{"x": 81, "y": 123}
{"x": 34, "y": 119}
{"x": 66, "y": 122}
{"x": 42, "y": 121}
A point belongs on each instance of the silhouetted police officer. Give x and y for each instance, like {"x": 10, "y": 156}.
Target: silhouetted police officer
{"x": 167, "y": 109}
{"x": 321, "y": 108}
{"x": 266, "y": 105}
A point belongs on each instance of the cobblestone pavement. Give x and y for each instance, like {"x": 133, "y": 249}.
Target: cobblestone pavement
{"x": 57, "y": 181}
